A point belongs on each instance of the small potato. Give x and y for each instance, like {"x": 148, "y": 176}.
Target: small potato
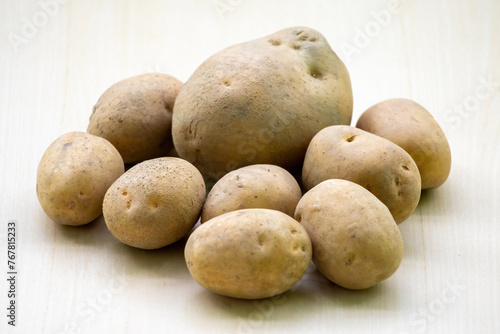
{"x": 410, "y": 126}
{"x": 356, "y": 242}
{"x": 73, "y": 176}
{"x": 155, "y": 203}
{"x": 135, "y": 115}
{"x": 382, "y": 167}
{"x": 250, "y": 254}
{"x": 255, "y": 186}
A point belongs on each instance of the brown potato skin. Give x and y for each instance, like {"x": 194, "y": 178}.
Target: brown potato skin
{"x": 410, "y": 126}
{"x": 356, "y": 242}
{"x": 382, "y": 167}
{"x": 249, "y": 254}
{"x": 155, "y": 203}
{"x": 135, "y": 115}
{"x": 73, "y": 175}
{"x": 255, "y": 186}
{"x": 261, "y": 102}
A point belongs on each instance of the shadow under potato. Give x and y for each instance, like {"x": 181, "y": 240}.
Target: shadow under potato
{"x": 163, "y": 262}
{"x": 313, "y": 293}
{"x": 92, "y": 234}
{"x": 427, "y": 196}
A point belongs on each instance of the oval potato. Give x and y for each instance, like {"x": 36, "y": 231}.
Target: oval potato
{"x": 73, "y": 175}
{"x": 382, "y": 167}
{"x": 135, "y": 115}
{"x": 155, "y": 203}
{"x": 356, "y": 242}
{"x": 410, "y": 126}
{"x": 255, "y": 186}
{"x": 249, "y": 254}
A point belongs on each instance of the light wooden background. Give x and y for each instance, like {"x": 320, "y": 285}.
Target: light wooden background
{"x": 444, "y": 54}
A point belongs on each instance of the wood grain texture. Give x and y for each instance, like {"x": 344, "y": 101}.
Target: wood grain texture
{"x": 444, "y": 54}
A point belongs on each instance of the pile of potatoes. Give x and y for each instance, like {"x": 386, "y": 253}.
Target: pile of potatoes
{"x": 257, "y": 146}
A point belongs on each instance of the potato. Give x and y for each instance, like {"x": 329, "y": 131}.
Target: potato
{"x": 261, "y": 102}
{"x": 382, "y": 167}
{"x": 255, "y": 186}
{"x": 356, "y": 242}
{"x": 249, "y": 254}
{"x": 155, "y": 203}
{"x": 135, "y": 115}
{"x": 73, "y": 175}
{"x": 410, "y": 126}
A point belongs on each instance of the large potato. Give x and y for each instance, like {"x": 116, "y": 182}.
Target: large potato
{"x": 155, "y": 203}
{"x": 255, "y": 186}
{"x": 356, "y": 242}
{"x": 382, "y": 167}
{"x": 250, "y": 254}
{"x": 73, "y": 175}
{"x": 135, "y": 115}
{"x": 410, "y": 126}
{"x": 261, "y": 102}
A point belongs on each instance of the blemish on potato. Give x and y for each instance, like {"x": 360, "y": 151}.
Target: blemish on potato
{"x": 397, "y": 180}
{"x": 350, "y": 139}
{"x": 261, "y": 239}
{"x": 315, "y": 73}
{"x": 275, "y": 42}
{"x": 350, "y": 259}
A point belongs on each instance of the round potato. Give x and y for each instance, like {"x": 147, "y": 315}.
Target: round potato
{"x": 155, "y": 203}
{"x": 356, "y": 242}
{"x": 261, "y": 102}
{"x": 410, "y": 126}
{"x": 249, "y": 254}
{"x": 135, "y": 115}
{"x": 382, "y": 167}
{"x": 73, "y": 175}
{"x": 255, "y": 186}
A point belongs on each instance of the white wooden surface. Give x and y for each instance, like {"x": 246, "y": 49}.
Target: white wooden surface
{"x": 81, "y": 280}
